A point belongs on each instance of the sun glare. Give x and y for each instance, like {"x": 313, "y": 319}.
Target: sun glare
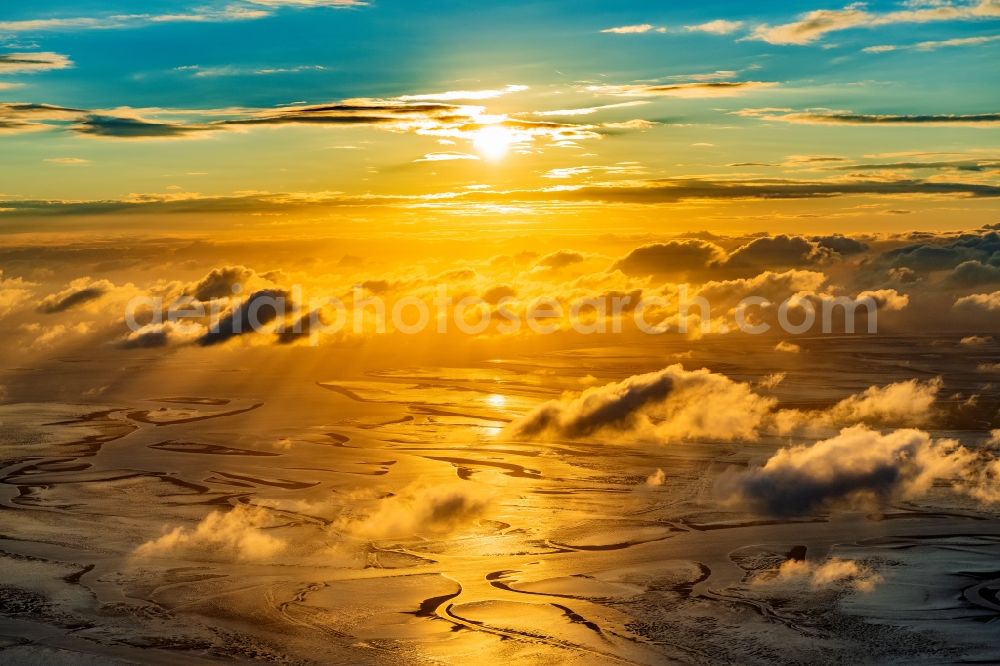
{"x": 493, "y": 142}
{"x": 497, "y": 400}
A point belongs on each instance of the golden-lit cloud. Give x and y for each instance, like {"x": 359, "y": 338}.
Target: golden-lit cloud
{"x": 232, "y": 12}
{"x": 814, "y": 25}
{"x": 78, "y": 292}
{"x": 828, "y": 117}
{"x": 859, "y": 466}
{"x": 832, "y": 572}
{"x": 696, "y": 89}
{"x": 27, "y": 63}
{"x": 421, "y": 509}
{"x": 932, "y": 45}
{"x": 463, "y": 95}
{"x": 637, "y": 29}
{"x": 68, "y": 161}
{"x": 716, "y": 27}
{"x": 989, "y": 302}
{"x": 666, "y": 406}
{"x": 234, "y": 535}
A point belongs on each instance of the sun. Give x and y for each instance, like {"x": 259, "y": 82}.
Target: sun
{"x": 497, "y": 400}
{"x": 494, "y": 142}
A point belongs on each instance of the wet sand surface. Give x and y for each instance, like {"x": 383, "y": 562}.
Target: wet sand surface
{"x": 560, "y": 551}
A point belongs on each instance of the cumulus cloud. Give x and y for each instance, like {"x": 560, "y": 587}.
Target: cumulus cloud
{"x": 560, "y": 259}
{"x": 989, "y": 302}
{"x": 858, "y": 466}
{"x": 260, "y": 308}
{"x": 422, "y": 510}
{"x": 975, "y": 273}
{"x": 78, "y": 292}
{"x": 780, "y": 251}
{"x": 840, "y": 244}
{"x": 902, "y": 403}
{"x": 162, "y": 335}
{"x": 937, "y": 255}
{"x": 238, "y": 534}
{"x": 832, "y": 572}
{"x": 13, "y": 293}
{"x": 657, "y": 479}
{"x": 676, "y": 256}
{"x": 666, "y": 406}
{"x": 222, "y": 282}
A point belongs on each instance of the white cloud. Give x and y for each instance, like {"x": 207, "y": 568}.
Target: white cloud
{"x": 68, "y": 161}
{"x": 832, "y": 572}
{"x": 932, "y": 45}
{"x": 446, "y": 157}
{"x": 908, "y": 402}
{"x": 28, "y": 63}
{"x": 666, "y": 406}
{"x": 857, "y": 467}
{"x": 234, "y": 535}
{"x": 695, "y": 89}
{"x": 463, "y": 95}
{"x": 990, "y": 302}
{"x": 336, "y": 4}
{"x": 419, "y": 509}
{"x": 717, "y": 27}
{"x": 657, "y": 478}
{"x": 118, "y": 21}
{"x": 634, "y": 29}
{"x": 813, "y": 25}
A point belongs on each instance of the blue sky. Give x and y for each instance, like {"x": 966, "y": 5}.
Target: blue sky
{"x": 176, "y": 88}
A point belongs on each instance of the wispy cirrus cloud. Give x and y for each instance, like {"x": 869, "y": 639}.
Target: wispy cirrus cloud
{"x": 29, "y": 117}
{"x": 68, "y": 161}
{"x": 463, "y": 95}
{"x": 628, "y": 192}
{"x": 586, "y": 110}
{"x": 437, "y": 119}
{"x": 830, "y": 117}
{"x": 133, "y": 128}
{"x": 336, "y": 4}
{"x": 236, "y": 11}
{"x": 692, "y": 89}
{"x": 716, "y": 27}
{"x": 932, "y": 45}
{"x": 233, "y": 12}
{"x": 814, "y": 25}
{"x": 29, "y": 63}
{"x": 634, "y": 29}
{"x": 198, "y": 71}
{"x": 446, "y": 157}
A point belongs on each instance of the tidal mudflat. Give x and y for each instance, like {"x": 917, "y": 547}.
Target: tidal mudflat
{"x": 395, "y": 516}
